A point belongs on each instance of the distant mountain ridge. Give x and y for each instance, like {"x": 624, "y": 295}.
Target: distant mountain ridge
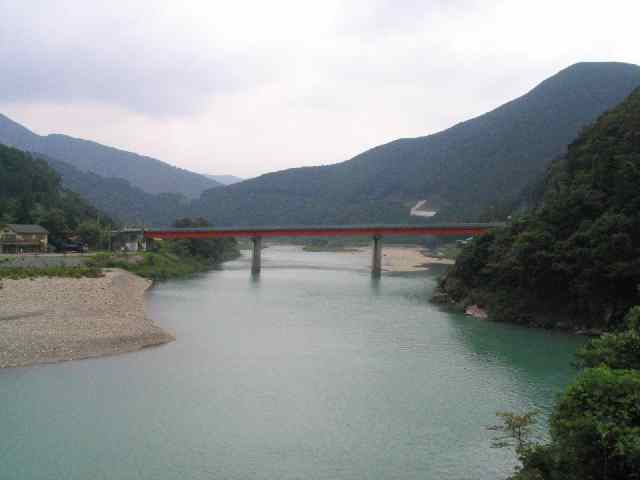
{"x": 117, "y": 197}
{"x": 149, "y": 174}
{"x": 461, "y": 171}
{"x": 225, "y": 179}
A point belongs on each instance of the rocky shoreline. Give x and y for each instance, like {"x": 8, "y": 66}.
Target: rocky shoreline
{"x": 45, "y": 320}
{"x": 485, "y": 310}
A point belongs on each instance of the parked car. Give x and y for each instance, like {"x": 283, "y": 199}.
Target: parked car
{"x": 73, "y": 248}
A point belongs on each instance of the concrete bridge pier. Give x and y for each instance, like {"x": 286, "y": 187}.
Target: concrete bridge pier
{"x": 256, "y": 257}
{"x": 376, "y": 259}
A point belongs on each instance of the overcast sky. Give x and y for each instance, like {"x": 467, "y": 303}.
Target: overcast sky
{"x": 246, "y": 87}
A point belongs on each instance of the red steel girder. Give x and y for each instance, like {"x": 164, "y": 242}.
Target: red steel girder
{"x": 455, "y": 230}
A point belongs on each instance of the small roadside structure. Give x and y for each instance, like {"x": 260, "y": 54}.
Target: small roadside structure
{"x": 129, "y": 240}
{"x": 22, "y": 238}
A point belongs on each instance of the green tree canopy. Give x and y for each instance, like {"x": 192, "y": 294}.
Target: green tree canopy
{"x": 30, "y": 192}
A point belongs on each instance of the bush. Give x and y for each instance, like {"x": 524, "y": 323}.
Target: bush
{"x": 17, "y": 273}
{"x": 596, "y": 426}
{"x": 159, "y": 265}
{"x": 619, "y": 350}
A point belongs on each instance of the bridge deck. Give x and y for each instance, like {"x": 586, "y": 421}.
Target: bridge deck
{"x": 440, "y": 230}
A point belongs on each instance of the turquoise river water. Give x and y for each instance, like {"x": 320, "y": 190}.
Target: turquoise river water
{"x": 312, "y": 371}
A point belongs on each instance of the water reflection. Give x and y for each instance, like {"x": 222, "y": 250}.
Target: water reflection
{"x": 254, "y": 279}
{"x": 375, "y": 284}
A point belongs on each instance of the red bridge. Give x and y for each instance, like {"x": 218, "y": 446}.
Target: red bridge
{"x": 374, "y": 231}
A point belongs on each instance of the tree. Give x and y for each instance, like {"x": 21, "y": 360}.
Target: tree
{"x": 595, "y": 426}
{"x": 91, "y": 232}
{"x": 615, "y": 350}
{"x": 516, "y": 429}
{"x": 54, "y": 220}
{"x": 210, "y": 250}
{"x": 30, "y": 192}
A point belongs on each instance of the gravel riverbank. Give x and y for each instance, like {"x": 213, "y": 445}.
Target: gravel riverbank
{"x": 406, "y": 258}
{"x": 46, "y": 320}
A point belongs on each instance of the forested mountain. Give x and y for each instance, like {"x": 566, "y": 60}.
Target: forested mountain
{"x": 31, "y": 192}
{"x": 461, "y": 171}
{"x": 576, "y": 257}
{"x": 470, "y": 171}
{"x": 118, "y": 198}
{"x": 146, "y": 173}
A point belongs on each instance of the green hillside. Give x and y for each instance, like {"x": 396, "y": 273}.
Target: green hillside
{"x": 462, "y": 171}
{"x": 31, "y": 192}
{"x": 119, "y": 198}
{"x": 146, "y": 173}
{"x": 576, "y": 258}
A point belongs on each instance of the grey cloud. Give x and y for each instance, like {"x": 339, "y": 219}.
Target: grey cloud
{"x": 169, "y": 87}
{"x": 104, "y": 62}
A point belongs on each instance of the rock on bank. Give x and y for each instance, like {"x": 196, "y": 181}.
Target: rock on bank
{"x": 46, "y": 320}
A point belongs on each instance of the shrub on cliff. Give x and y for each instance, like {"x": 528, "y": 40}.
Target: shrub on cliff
{"x": 615, "y": 350}
{"x": 596, "y": 425}
{"x": 595, "y": 431}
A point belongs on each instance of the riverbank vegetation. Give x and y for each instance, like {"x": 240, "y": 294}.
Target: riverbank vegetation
{"x": 172, "y": 258}
{"x": 157, "y": 265}
{"x": 574, "y": 261}
{"x": 164, "y": 259}
{"x": 18, "y": 273}
{"x": 595, "y": 424}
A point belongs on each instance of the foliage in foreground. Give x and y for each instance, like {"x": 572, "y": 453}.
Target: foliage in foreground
{"x": 615, "y": 350}
{"x": 595, "y": 425}
{"x": 516, "y": 429}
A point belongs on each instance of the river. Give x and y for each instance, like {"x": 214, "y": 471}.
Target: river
{"x": 312, "y": 371}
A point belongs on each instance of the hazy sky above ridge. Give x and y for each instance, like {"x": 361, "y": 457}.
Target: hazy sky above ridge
{"x": 248, "y": 87}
